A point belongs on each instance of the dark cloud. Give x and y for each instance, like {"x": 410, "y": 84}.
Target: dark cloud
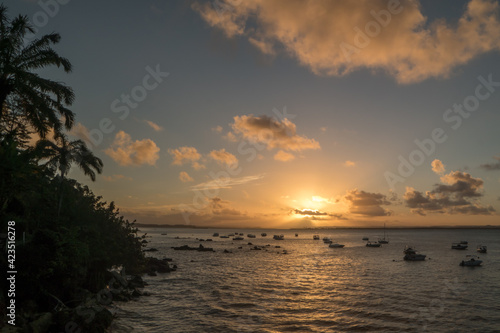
{"x": 367, "y": 204}
{"x": 492, "y": 166}
{"x": 458, "y": 196}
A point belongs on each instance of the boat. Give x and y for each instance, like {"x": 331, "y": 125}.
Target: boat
{"x": 263, "y": 234}
{"x": 482, "y": 249}
{"x": 336, "y": 245}
{"x": 223, "y": 236}
{"x": 383, "y": 240}
{"x": 216, "y": 234}
{"x": 327, "y": 240}
{"x": 459, "y": 246}
{"x": 238, "y": 238}
{"x": 365, "y": 238}
{"x": 471, "y": 260}
{"x": 316, "y": 237}
{"x": 412, "y": 255}
{"x": 279, "y": 237}
{"x": 370, "y": 244}
{"x": 251, "y": 236}
{"x": 241, "y": 234}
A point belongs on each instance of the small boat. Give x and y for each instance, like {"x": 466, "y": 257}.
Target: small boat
{"x": 412, "y": 255}
{"x": 370, "y": 244}
{"x": 459, "y": 246}
{"x": 383, "y": 240}
{"x": 316, "y": 237}
{"x": 327, "y": 240}
{"x": 223, "y": 236}
{"x": 216, "y": 234}
{"x": 471, "y": 260}
{"x": 336, "y": 245}
{"x": 263, "y": 234}
{"x": 238, "y": 238}
{"x": 482, "y": 249}
{"x": 365, "y": 238}
{"x": 241, "y": 234}
{"x": 296, "y": 235}
{"x": 251, "y": 236}
{"x": 279, "y": 237}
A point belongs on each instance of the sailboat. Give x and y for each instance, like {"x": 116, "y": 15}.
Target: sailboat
{"x": 383, "y": 240}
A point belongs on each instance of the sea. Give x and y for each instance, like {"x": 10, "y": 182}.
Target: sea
{"x": 301, "y": 285}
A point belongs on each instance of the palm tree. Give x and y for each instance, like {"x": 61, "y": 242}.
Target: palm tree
{"x": 42, "y": 102}
{"x": 62, "y": 153}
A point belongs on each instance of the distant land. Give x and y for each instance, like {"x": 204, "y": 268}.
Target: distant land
{"x": 190, "y": 226}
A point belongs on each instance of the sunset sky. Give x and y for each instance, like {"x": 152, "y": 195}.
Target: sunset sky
{"x": 288, "y": 113}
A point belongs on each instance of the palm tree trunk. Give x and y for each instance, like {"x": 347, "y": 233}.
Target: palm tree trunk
{"x": 61, "y": 192}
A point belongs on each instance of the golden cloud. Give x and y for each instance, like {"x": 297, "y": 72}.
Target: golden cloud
{"x": 115, "y": 178}
{"x": 185, "y": 177}
{"x": 283, "y": 156}
{"x": 338, "y": 37}
{"x": 126, "y": 152}
{"x": 438, "y": 167}
{"x": 186, "y": 155}
{"x": 154, "y": 126}
{"x": 272, "y": 133}
{"x": 223, "y": 157}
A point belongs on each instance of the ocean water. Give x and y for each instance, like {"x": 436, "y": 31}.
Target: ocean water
{"x": 314, "y": 288}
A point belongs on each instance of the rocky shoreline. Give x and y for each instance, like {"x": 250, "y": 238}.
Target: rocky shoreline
{"x": 93, "y": 312}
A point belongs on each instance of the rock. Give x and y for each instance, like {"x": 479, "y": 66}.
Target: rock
{"x": 250, "y": 243}
{"x": 42, "y": 323}
{"x": 226, "y": 251}
{"x": 119, "y": 278}
{"x": 150, "y": 250}
{"x": 136, "y": 282}
{"x": 152, "y": 273}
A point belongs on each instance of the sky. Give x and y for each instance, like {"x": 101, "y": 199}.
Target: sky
{"x": 273, "y": 113}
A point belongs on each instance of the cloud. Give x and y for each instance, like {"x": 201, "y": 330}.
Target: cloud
{"x": 335, "y": 38}
{"x": 184, "y": 177}
{"x": 366, "y": 203}
{"x": 226, "y": 183}
{"x": 492, "y": 166}
{"x": 283, "y": 156}
{"x": 186, "y": 155}
{"x": 272, "y": 133}
{"x": 115, "y": 178}
{"x": 126, "y": 152}
{"x": 349, "y": 163}
{"x": 458, "y": 195}
{"x": 223, "y": 157}
{"x": 438, "y": 167}
{"x": 81, "y": 132}
{"x": 217, "y": 129}
{"x": 154, "y": 126}
{"x": 310, "y": 212}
